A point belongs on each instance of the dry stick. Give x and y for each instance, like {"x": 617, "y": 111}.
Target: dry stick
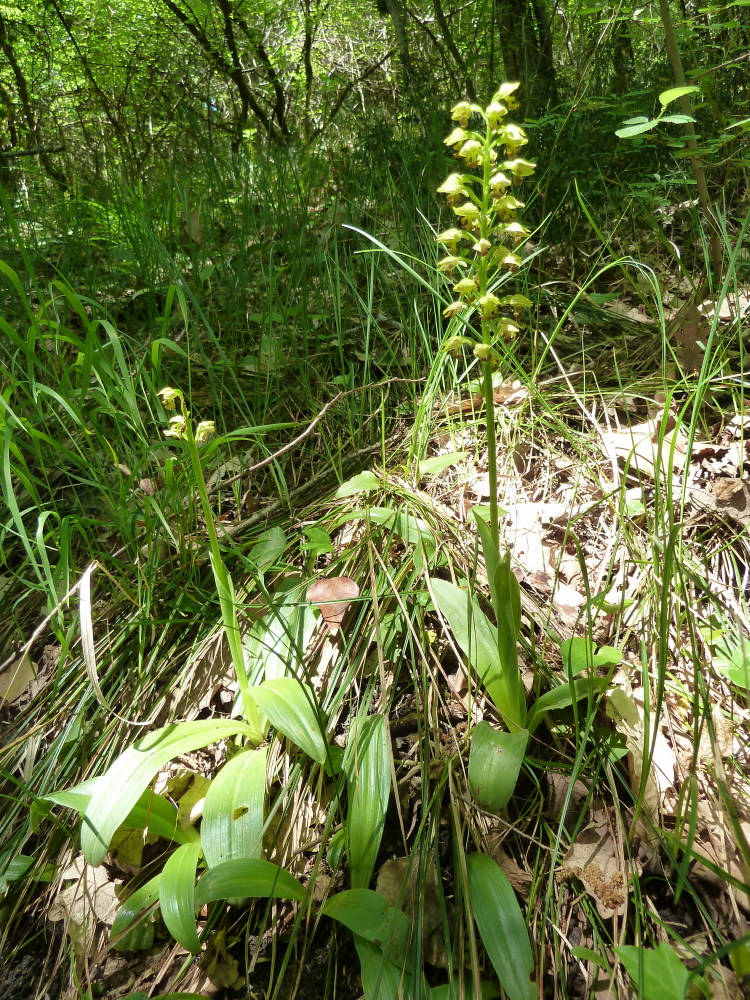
{"x": 310, "y": 428}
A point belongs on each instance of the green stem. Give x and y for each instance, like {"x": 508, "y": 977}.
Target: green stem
{"x": 488, "y": 390}
{"x": 225, "y": 590}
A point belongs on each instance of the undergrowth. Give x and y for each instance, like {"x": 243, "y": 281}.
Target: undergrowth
{"x": 363, "y": 797}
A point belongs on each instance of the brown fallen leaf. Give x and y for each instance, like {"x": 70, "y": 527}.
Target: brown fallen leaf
{"x": 594, "y": 859}
{"x": 332, "y": 597}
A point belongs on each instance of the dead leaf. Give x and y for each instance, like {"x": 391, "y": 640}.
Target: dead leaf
{"x": 644, "y": 447}
{"x": 400, "y": 884}
{"x": 625, "y": 708}
{"x": 332, "y": 597}
{"x": 724, "y": 489}
{"x": 91, "y": 899}
{"x": 16, "y": 679}
{"x": 595, "y": 861}
{"x": 191, "y": 228}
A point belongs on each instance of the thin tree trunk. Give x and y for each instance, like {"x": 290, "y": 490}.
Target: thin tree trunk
{"x": 715, "y": 250}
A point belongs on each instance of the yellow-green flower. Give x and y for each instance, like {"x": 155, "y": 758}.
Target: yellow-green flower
{"x": 517, "y": 231}
{"x": 462, "y": 112}
{"x": 449, "y": 264}
{"x": 506, "y": 328}
{"x": 457, "y": 135}
{"x": 471, "y": 151}
{"x": 450, "y": 238}
{"x": 454, "y": 345}
{"x": 204, "y": 430}
{"x": 499, "y": 182}
{"x": 169, "y": 396}
{"x": 495, "y": 113}
{"x": 483, "y": 352}
{"x": 487, "y": 305}
{"x": 468, "y": 211}
{"x": 453, "y": 309}
{"x": 514, "y": 137}
{"x": 466, "y": 288}
{"x": 507, "y": 206}
{"x": 453, "y": 186}
{"x": 482, "y": 247}
{"x": 520, "y": 168}
{"x": 177, "y": 425}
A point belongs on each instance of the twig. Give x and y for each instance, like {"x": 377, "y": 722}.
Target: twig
{"x": 309, "y": 429}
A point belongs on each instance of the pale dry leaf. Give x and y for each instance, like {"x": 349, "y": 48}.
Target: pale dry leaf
{"x": 642, "y": 450}
{"x": 89, "y": 900}
{"x": 627, "y": 714}
{"x": 399, "y": 883}
{"x": 17, "y": 678}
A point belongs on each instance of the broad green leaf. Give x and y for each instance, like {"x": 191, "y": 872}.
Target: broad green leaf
{"x": 369, "y": 916}
{"x": 233, "y": 813}
{"x": 365, "y": 482}
{"x": 151, "y": 812}
{"x": 140, "y": 932}
{"x": 675, "y": 93}
{"x": 476, "y": 636}
{"x": 381, "y": 978}
{"x": 658, "y": 972}
{"x": 578, "y": 654}
{"x": 563, "y": 696}
{"x": 177, "y": 896}
{"x": 495, "y": 761}
{"x": 289, "y": 706}
{"x": 501, "y": 927}
{"x": 367, "y": 765}
{"x": 630, "y": 130}
{"x": 411, "y": 530}
{"x": 732, "y": 659}
{"x": 113, "y": 798}
{"x": 491, "y": 554}
{"x": 439, "y": 463}
{"x": 247, "y": 877}
{"x": 268, "y": 549}
{"x": 677, "y": 119}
